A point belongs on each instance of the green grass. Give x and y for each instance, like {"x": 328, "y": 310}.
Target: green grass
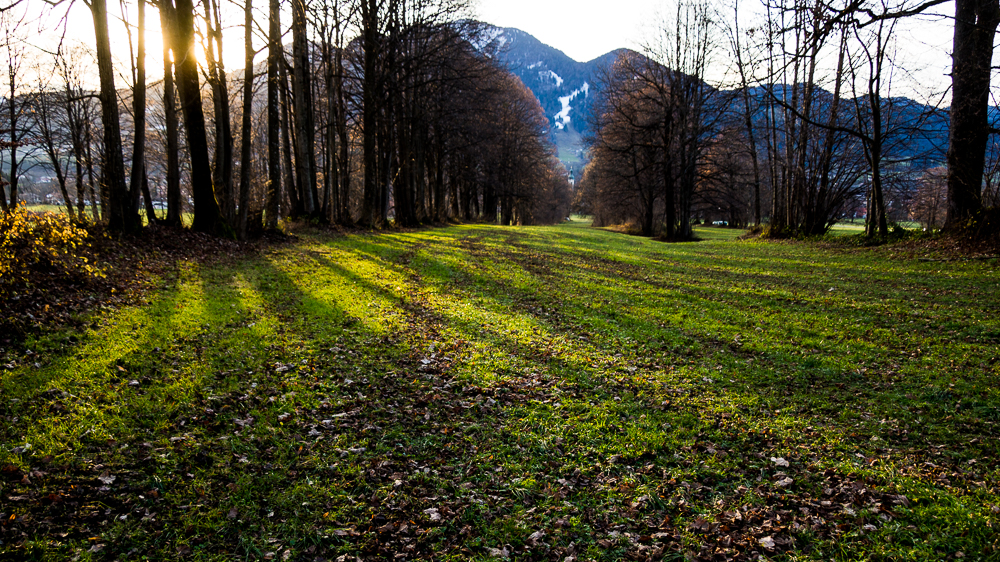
{"x": 850, "y": 227}
{"x": 447, "y": 394}
{"x": 569, "y": 142}
{"x": 186, "y": 218}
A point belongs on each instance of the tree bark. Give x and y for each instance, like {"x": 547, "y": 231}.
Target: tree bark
{"x": 305, "y": 158}
{"x": 273, "y": 116}
{"x": 170, "y": 118}
{"x": 222, "y": 173}
{"x": 369, "y": 112}
{"x": 207, "y": 216}
{"x": 113, "y": 169}
{"x": 245, "y": 133}
{"x": 975, "y": 27}
{"x": 139, "y": 119}
{"x": 286, "y": 123}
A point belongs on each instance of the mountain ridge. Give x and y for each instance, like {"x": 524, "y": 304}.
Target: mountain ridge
{"x": 563, "y": 86}
{"x": 566, "y": 89}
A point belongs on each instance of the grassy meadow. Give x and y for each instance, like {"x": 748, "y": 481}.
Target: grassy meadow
{"x": 537, "y": 393}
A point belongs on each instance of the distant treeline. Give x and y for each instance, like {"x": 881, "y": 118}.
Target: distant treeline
{"x": 812, "y": 132}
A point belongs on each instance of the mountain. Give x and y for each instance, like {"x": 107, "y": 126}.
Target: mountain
{"x": 565, "y": 88}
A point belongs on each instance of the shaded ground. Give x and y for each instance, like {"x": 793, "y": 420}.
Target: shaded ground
{"x": 125, "y": 266}
{"x": 536, "y": 393}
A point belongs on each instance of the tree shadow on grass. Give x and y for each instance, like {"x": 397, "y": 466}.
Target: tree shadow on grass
{"x": 382, "y": 427}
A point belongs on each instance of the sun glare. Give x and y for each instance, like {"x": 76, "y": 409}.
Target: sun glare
{"x": 78, "y": 28}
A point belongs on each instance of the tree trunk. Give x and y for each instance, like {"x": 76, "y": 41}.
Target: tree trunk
{"x": 207, "y": 216}
{"x": 43, "y": 109}
{"x": 826, "y": 161}
{"x": 289, "y": 177}
{"x": 305, "y": 158}
{"x": 113, "y": 168}
{"x": 139, "y": 117}
{"x": 747, "y": 115}
{"x": 330, "y": 169}
{"x": 222, "y": 173}
{"x": 81, "y": 187}
{"x": 74, "y": 121}
{"x": 369, "y": 112}
{"x": 12, "y": 175}
{"x": 245, "y": 133}
{"x": 975, "y": 27}
{"x": 170, "y": 118}
{"x": 88, "y": 138}
{"x": 344, "y": 160}
{"x": 273, "y": 116}
{"x": 147, "y": 197}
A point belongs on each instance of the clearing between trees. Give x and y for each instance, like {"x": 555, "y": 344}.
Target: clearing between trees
{"x": 536, "y": 393}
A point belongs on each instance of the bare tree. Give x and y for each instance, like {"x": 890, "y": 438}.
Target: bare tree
{"x": 170, "y": 124}
{"x": 180, "y": 16}
{"x": 274, "y": 58}
{"x": 70, "y": 66}
{"x": 245, "y": 153}
{"x": 51, "y": 131}
{"x": 222, "y": 172}
{"x": 113, "y": 167}
{"x": 15, "y": 106}
{"x": 305, "y": 156}
{"x": 742, "y": 67}
{"x": 138, "y": 176}
{"x": 976, "y": 24}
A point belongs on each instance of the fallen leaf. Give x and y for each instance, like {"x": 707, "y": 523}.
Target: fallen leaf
{"x": 767, "y": 542}
{"x": 504, "y": 553}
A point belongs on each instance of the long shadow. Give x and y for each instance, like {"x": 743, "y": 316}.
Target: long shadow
{"x": 91, "y": 409}
{"x": 814, "y": 377}
{"x": 274, "y": 329}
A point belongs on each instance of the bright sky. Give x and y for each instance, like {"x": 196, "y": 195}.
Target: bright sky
{"x": 587, "y": 29}
{"x": 583, "y": 29}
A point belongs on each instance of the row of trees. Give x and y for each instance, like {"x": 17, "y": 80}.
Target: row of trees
{"x": 381, "y": 111}
{"x": 651, "y": 124}
{"x": 810, "y": 126}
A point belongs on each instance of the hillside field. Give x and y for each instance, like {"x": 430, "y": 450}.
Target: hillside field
{"x": 539, "y": 393}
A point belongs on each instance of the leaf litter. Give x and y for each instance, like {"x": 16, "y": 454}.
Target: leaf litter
{"x": 408, "y": 448}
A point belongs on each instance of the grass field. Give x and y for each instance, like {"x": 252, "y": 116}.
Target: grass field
{"x": 852, "y": 227}
{"x": 186, "y": 218}
{"x": 542, "y": 393}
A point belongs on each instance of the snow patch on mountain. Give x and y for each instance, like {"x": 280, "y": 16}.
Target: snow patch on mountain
{"x": 562, "y": 118}
{"x": 545, "y": 74}
{"x": 495, "y": 36}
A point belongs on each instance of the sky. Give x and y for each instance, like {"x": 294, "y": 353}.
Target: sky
{"x": 586, "y": 29}
{"x": 583, "y": 29}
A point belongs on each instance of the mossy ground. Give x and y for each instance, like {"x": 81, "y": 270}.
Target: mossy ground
{"x": 475, "y": 392}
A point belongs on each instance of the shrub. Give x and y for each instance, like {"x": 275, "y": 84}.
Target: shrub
{"x": 48, "y": 243}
